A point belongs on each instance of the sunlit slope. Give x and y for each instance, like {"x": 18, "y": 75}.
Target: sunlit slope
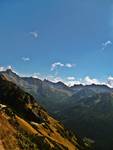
{"x": 29, "y": 124}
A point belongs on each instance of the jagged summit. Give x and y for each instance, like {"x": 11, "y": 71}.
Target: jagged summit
{"x": 61, "y": 84}
{"x": 10, "y": 72}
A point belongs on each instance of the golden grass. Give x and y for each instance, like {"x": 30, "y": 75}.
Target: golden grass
{"x": 7, "y": 135}
{"x": 54, "y": 136}
{"x": 1, "y": 145}
{"x": 25, "y": 125}
{"x": 49, "y": 131}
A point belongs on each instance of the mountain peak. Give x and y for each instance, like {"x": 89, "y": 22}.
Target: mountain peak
{"x": 61, "y": 84}
{"x": 9, "y": 70}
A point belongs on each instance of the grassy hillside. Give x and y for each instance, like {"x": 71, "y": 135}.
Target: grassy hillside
{"x": 28, "y": 124}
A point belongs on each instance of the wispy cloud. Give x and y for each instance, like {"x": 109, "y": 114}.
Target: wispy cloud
{"x": 106, "y": 44}
{"x": 25, "y": 59}
{"x": 34, "y": 34}
{"x": 71, "y": 78}
{"x": 55, "y": 65}
{"x": 68, "y": 65}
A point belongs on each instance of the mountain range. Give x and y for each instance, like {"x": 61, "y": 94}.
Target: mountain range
{"x": 26, "y": 125}
{"x": 86, "y": 110}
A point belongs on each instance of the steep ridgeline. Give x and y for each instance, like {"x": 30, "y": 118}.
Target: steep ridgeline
{"x": 88, "y": 110}
{"x": 25, "y": 125}
{"x": 49, "y": 93}
{"x": 46, "y": 91}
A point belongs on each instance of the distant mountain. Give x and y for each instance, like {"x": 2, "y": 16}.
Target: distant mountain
{"x": 25, "y": 125}
{"x": 87, "y": 110}
{"x": 52, "y": 93}
{"x": 47, "y": 92}
{"x": 93, "y": 87}
{"x": 91, "y": 116}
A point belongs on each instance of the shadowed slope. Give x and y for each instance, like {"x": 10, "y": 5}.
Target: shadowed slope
{"x": 24, "y": 114}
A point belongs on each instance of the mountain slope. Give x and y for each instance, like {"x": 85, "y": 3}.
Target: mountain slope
{"x": 46, "y": 91}
{"x": 84, "y": 109}
{"x": 53, "y": 93}
{"x": 28, "y": 125}
{"x": 93, "y": 117}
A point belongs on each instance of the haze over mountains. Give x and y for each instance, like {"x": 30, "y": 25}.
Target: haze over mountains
{"x": 87, "y": 110}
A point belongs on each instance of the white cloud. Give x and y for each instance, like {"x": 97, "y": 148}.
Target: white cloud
{"x": 36, "y": 75}
{"x": 25, "y": 58}
{"x": 88, "y": 80}
{"x": 106, "y": 44}
{"x": 110, "y": 78}
{"x": 85, "y": 81}
{"x": 110, "y": 81}
{"x": 55, "y": 79}
{"x": 10, "y": 67}
{"x": 55, "y": 65}
{"x": 72, "y": 82}
{"x": 68, "y": 65}
{"x": 70, "y": 78}
{"x": 34, "y": 34}
{"x": 1, "y": 68}
{"x": 59, "y": 64}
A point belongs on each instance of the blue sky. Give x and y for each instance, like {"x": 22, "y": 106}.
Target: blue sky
{"x": 59, "y": 38}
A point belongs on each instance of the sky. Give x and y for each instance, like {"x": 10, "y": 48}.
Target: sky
{"x": 69, "y": 40}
